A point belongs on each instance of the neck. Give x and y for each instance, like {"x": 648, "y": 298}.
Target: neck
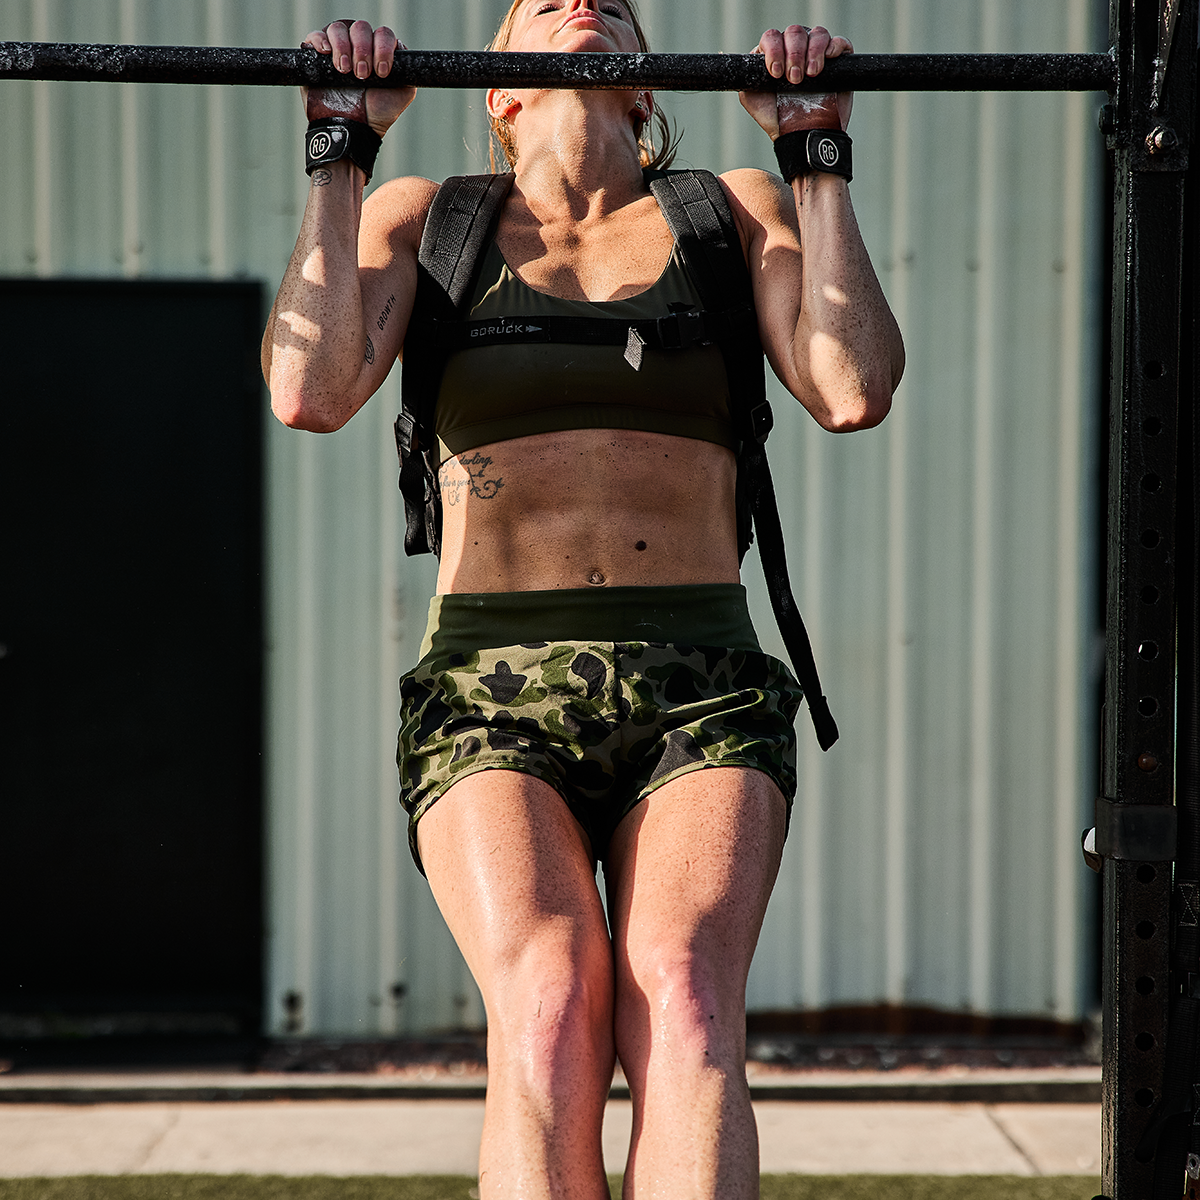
{"x": 578, "y": 151}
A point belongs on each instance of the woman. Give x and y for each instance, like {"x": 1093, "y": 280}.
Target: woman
{"x": 530, "y": 752}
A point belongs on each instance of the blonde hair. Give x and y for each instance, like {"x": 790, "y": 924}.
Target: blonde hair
{"x": 658, "y": 145}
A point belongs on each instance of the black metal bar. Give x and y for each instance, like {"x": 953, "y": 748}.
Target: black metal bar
{"x": 467, "y": 69}
{"x": 1152, "y": 144}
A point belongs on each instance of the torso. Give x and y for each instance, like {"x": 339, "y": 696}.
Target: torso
{"x": 581, "y": 508}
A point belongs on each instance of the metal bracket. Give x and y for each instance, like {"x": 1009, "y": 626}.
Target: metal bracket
{"x": 1188, "y": 898}
{"x": 1136, "y": 832}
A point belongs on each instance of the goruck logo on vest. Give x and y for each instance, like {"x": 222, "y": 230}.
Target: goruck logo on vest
{"x": 510, "y": 329}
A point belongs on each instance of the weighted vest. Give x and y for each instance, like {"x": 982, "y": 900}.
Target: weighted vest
{"x": 462, "y": 223}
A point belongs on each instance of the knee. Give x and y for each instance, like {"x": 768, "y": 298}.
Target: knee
{"x": 684, "y": 1003}
{"x": 550, "y": 1018}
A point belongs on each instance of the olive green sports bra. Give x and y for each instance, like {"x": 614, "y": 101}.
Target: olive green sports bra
{"x": 491, "y": 393}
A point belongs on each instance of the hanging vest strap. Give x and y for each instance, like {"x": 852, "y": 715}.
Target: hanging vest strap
{"x": 695, "y": 207}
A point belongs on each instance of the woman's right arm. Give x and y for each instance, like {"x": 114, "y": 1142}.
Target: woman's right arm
{"x": 339, "y": 318}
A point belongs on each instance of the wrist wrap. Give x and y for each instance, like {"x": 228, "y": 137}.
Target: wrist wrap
{"x": 331, "y": 139}
{"x": 809, "y": 150}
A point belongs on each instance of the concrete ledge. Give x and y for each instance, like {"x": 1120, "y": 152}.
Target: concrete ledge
{"x": 1068, "y": 1085}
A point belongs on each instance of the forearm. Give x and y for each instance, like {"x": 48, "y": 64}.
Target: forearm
{"x": 847, "y": 354}
{"x": 316, "y": 349}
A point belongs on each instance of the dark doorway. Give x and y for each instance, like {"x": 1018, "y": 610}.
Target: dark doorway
{"x": 130, "y": 669}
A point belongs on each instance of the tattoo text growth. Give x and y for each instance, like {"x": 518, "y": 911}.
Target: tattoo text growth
{"x": 387, "y": 312}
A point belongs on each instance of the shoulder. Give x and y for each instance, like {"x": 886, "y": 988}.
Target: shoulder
{"x": 759, "y": 195}
{"x": 763, "y": 206}
{"x": 396, "y": 211}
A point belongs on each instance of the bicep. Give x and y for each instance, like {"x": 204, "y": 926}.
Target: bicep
{"x": 765, "y": 211}
{"x": 389, "y": 240}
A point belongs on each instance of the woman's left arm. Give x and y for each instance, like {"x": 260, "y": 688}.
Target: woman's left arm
{"x": 826, "y": 327}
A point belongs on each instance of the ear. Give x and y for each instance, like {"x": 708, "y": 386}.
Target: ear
{"x": 500, "y": 103}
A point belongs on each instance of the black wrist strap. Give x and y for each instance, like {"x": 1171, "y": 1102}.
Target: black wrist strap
{"x": 331, "y": 139}
{"x": 809, "y": 150}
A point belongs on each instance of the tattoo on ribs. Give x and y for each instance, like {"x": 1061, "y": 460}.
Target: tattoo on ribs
{"x": 322, "y": 177}
{"x": 387, "y": 312}
{"x": 370, "y": 353}
{"x": 476, "y": 483}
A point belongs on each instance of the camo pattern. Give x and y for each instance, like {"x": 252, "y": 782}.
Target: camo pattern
{"x": 603, "y": 723}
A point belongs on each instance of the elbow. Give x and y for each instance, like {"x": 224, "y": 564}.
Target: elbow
{"x": 847, "y": 392}
{"x": 864, "y": 408}
{"x": 866, "y": 415}
{"x": 295, "y": 411}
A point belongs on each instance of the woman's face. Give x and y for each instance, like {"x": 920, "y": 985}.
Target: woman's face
{"x": 599, "y": 26}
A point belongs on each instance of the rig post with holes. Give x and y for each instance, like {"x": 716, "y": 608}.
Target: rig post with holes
{"x": 1150, "y": 132}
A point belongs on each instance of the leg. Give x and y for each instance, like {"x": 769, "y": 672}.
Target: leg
{"x": 512, "y": 873}
{"x": 690, "y": 872}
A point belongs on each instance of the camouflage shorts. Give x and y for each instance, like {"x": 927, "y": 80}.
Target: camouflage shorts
{"x": 603, "y": 723}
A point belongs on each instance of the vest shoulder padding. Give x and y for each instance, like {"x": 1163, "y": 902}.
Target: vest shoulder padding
{"x": 461, "y": 222}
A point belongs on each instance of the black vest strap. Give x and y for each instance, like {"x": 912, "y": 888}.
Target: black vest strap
{"x": 461, "y": 222}
{"x": 679, "y": 331}
{"x": 695, "y": 207}
{"x": 458, "y": 229}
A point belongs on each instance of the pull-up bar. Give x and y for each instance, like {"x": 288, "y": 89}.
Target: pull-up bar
{"x": 471, "y": 69}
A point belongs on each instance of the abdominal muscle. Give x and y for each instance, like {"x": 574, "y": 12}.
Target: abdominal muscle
{"x": 588, "y": 508}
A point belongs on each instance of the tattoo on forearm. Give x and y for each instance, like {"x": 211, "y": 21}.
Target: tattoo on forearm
{"x": 387, "y": 312}
{"x": 370, "y": 354}
{"x": 476, "y": 483}
{"x": 322, "y": 177}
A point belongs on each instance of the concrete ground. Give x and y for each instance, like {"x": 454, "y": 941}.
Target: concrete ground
{"x": 370, "y": 1136}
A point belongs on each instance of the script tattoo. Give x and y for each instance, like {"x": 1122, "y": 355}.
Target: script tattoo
{"x": 322, "y": 177}
{"x": 370, "y": 354}
{"x": 387, "y": 312}
{"x": 475, "y": 484}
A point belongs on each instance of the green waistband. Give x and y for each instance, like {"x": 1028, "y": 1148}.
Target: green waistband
{"x": 705, "y": 614}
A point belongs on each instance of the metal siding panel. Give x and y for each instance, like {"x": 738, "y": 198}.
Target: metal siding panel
{"x": 1030, "y": 630}
{"x": 890, "y": 889}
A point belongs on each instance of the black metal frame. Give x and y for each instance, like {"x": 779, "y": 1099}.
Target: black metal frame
{"x": 1148, "y": 818}
{"x": 1149, "y": 1020}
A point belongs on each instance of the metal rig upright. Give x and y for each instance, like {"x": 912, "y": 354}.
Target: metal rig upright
{"x": 1149, "y": 1015}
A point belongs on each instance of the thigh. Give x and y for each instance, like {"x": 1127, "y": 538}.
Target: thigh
{"x": 513, "y": 875}
{"x": 690, "y": 872}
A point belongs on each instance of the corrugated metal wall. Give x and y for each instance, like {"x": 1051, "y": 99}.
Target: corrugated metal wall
{"x": 945, "y": 562}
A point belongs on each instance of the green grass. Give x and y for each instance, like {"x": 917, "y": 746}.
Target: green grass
{"x": 460, "y": 1187}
